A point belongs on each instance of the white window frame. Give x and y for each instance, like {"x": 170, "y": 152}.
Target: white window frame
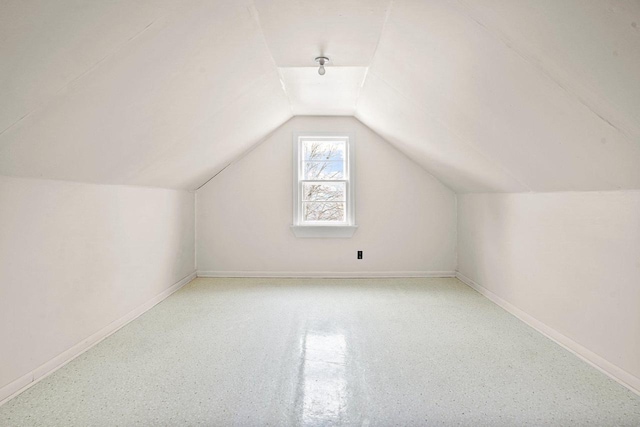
{"x": 326, "y": 229}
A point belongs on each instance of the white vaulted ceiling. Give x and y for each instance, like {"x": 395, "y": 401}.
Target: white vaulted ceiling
{"x": 487, "y": 95}
{"x": 504, "y": 96}
{"x": 167, "y": 101}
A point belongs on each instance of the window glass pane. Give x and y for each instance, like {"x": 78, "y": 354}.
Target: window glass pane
{"x": 324, "y": 211}
{"x": 324, "y": 191}
{"x": 324, "y": 150}
{"x": 324, "y": 169}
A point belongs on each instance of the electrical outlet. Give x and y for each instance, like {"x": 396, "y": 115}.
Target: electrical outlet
{"x": 359, "y": 254}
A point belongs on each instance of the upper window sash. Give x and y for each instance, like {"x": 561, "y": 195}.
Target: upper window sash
{"x": 324, "y": 164}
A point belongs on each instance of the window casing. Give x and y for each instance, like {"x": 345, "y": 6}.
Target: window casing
{"x": 323, "y": 185}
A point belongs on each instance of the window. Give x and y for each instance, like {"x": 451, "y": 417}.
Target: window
{"x": 323, "y": 194}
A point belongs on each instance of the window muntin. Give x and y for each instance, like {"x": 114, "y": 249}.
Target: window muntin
{"x": 323, "y": 181}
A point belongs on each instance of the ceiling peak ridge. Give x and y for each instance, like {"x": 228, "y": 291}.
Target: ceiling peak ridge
{"x": 375, "y": 52}
{"x": 255, "y": 15}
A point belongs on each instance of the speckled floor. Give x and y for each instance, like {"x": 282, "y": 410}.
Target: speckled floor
{"x": 383, "y": 352}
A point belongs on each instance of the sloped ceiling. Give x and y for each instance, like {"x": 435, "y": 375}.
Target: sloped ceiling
{"x": 513, "y": 95}
{"x": 487, "y": 95}
{"x": 166, "y": 98}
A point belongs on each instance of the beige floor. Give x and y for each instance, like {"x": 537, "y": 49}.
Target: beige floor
{"x": 384, "y": 352}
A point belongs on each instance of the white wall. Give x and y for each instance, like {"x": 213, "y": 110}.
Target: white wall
{"x": 76, "y": 257}
{"x": 406, "y": 217}
{"x": 569, "y": 260}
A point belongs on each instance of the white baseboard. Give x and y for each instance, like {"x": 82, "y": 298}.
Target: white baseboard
{"x": 21, "y": 384}
{"x": 614, "y": 372}
{"x": 327, "y": 274}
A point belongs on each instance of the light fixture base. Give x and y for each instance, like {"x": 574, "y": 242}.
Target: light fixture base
{"x": 321, "y": 60}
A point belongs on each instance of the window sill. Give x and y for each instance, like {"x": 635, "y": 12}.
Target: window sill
{"x": 324, "y": 231}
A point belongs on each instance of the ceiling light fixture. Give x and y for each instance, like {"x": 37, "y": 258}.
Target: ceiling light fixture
{"x": 321, "y": 60}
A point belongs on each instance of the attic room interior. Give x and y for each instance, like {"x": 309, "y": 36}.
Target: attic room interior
{"x": 313, "y": 213}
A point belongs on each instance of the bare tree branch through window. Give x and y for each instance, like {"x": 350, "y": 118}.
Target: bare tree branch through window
{"x": 324, "y": 201}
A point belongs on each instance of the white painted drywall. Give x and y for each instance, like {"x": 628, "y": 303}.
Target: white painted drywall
{"x": 76, "y": 257}
{"x": 406, "y": 217}
{"x": 154, "y": 93}
{"x": 487, "y": 95}
{"x": 511, "y": 95}
{"x": 569, "y": 260}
